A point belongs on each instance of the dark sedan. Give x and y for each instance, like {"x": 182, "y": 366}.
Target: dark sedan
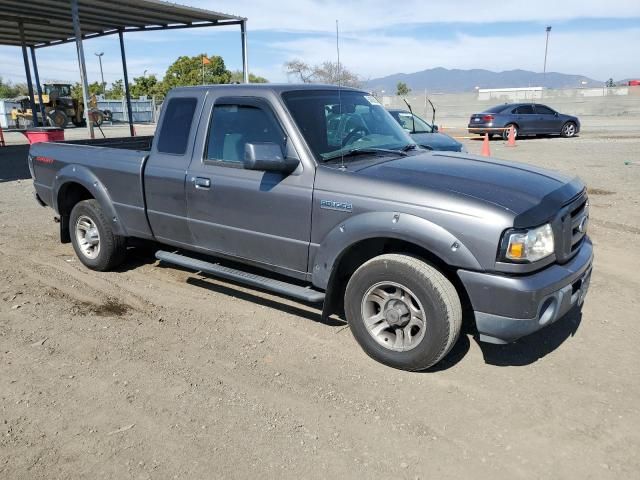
{"x": 525, "y": 118}
{"x": 424, "y": 134}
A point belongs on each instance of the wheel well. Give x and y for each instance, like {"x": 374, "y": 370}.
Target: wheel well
{"x": 70, "y": 194}
{"x": 360, "y": 252}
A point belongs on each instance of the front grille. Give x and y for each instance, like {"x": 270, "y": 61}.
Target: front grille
{"x": 571, "y": 236}
{"x": 579, "y": 218}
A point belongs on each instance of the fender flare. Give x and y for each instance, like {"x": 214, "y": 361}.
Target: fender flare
{"x": 399, "y": 226}
{"x": 83, "y": 176}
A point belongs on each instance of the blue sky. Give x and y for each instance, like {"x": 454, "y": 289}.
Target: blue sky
{"x": 593, "y": 38}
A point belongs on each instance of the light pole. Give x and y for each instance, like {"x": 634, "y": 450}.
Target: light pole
{"x": 546, "y": 47}
{"x": 99, "y": 55}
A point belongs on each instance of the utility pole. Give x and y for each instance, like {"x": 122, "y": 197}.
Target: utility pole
{"x": 546, "y": 47}
{"x": 99, "y": 55}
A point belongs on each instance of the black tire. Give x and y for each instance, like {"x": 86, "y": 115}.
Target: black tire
{"x": 569, "y": 130}
{"x": 505, "y": 132}
{"x": 434, "y": 293}
{"x": 111, "y": 248}
{"x": 97, "y": 117}
{"x": 57, "y": 118}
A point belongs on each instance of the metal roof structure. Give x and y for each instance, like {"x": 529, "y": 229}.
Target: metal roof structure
{"x": 49, "y": 22}
{"x": 34, "y": 24}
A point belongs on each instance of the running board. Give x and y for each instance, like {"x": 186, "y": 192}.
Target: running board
{"x": 288, "y": 289}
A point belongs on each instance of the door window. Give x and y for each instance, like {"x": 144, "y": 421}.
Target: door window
{"x": 233, "y": 126}
{"x": 524, "y": 110}
{"x": 543, "y": 110}
{"x": 176, "y": 125}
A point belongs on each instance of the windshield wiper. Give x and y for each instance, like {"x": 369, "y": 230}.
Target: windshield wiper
{"x": 365, "y": 151}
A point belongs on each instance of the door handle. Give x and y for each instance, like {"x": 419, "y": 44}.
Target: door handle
{"x": 202, "y": 182}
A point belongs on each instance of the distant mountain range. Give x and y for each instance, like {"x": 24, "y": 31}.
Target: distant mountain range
{"x": 445, "y": 80}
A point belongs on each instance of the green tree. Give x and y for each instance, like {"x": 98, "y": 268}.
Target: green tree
{"x": 76, "y": 91}
{"x": 11, "y": 90}
{"x": 402, "y": 89}
{"x": 94, "y": 89}
{"x": 236, "y": 77}
{"x": 186, "y": 71}
{"x": 610, "y": 83}
{"x": 116, "y": 91}
{"x": 147, "y": 85}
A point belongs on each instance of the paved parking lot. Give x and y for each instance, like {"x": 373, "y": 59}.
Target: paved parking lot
{"x": 155, "y": 372}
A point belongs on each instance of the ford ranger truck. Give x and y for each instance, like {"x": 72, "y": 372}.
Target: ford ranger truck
{"x": 316, "y": 193}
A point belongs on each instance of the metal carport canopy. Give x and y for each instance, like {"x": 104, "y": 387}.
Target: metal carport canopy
{"x": 42, "y": 23}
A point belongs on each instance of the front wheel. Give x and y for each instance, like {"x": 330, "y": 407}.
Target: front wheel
{"x": 57, "y": 118}
{"x": 569, "y": 130}
{"x": 403, "y": 312}
{"x": 94, "y": 242}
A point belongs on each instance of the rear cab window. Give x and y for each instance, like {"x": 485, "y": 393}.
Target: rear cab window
{"x": 176, "y": 125}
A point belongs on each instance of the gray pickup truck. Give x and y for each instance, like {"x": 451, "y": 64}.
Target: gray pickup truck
{"x": 316, "y": 193}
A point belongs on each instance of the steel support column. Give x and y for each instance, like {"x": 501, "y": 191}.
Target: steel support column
{"x": 127, "y": 93}
{"x": 27, "y": 71}
{"x": 75, "y": 14}
{"x": 36, "y": 76}
{"x": 245, "y": 60}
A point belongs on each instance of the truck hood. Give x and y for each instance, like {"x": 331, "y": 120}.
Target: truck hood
{"x": 532, "y": 194}
{"x": 437, "y": 141}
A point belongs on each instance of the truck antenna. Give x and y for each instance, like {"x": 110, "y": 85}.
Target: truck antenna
{"x": 342, "y": 167}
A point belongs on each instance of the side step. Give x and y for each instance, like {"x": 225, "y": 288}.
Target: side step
{"x": 290, "y": 290}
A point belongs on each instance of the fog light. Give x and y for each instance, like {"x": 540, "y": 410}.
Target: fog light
{"x": 547, "y": 311}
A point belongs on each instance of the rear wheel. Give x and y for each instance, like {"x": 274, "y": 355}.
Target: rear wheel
{"x": 505, "y": 132}
{"x": 403, "y": 312}
{"x": 94, "y": 242}
{"x": 569, "y": 130}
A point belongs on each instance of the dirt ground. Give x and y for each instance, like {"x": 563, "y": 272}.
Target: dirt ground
{"x": 154, "y": 372}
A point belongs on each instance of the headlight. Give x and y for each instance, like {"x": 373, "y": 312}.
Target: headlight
{"x": 528, "y": 245}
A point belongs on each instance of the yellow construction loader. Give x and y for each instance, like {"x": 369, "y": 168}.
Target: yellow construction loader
{"x": 59, "y": 106}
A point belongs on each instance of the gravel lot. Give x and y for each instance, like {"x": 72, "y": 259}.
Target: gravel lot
{"x": 155, "y": 372}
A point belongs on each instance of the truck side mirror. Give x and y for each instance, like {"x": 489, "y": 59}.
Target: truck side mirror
{"x": 267, "y": 156}
{"x": 435, "y": 129}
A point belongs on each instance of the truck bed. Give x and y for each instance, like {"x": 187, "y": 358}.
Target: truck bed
{"x": 111, "y": 168}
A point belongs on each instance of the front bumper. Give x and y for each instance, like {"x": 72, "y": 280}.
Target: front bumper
{"x": 509, "y": 307}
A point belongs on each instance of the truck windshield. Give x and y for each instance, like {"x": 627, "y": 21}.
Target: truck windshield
{"x": 62, "y": 90}
{"x": 333, "y": 122}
